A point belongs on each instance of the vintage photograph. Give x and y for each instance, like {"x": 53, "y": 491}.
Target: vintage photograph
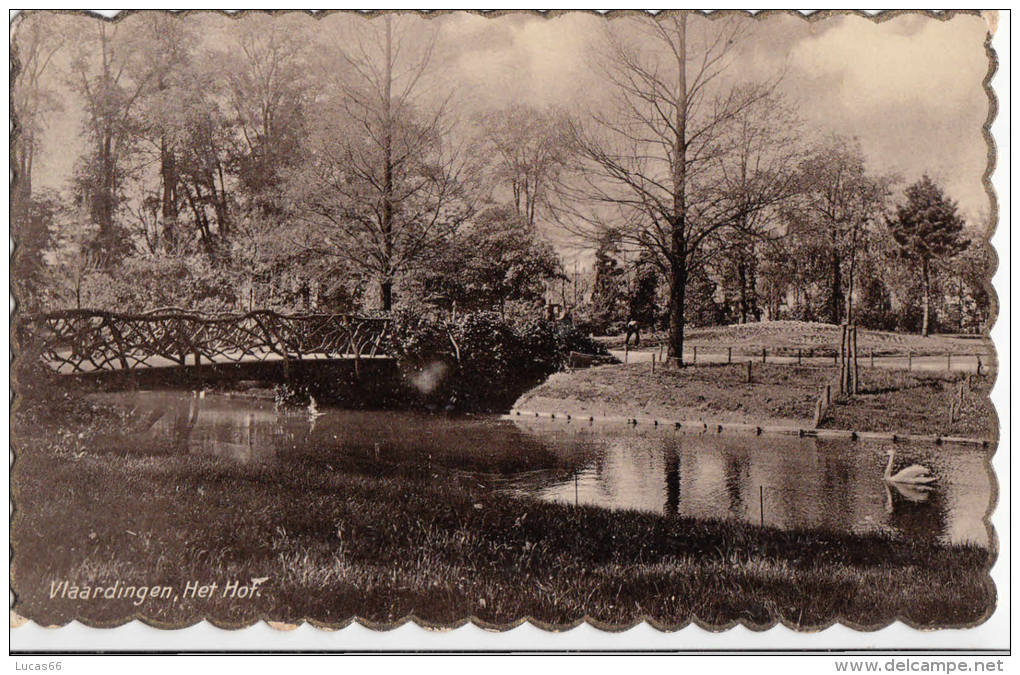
{"x": 495, "y": 317}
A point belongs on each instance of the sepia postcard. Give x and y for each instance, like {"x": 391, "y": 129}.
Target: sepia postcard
{"x": 675, "y": 318}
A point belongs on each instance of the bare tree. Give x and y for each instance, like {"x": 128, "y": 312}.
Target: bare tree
{"x": 660, "y": 167}
{"x": 528, "y": 150}
{"x": 756, "y": 176}
{"x": 840, "y": 201}
{"x": 383, "y": 183}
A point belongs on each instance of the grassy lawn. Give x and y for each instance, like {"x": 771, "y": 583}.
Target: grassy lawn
{"x": 777, "y": 394}
{"x": 338, "y": 543}
{"x": 918, "y": 403}
{"x": 791, "y": 335}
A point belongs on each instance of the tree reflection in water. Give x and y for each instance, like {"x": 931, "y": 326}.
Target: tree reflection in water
{"x": 806, "y": 483}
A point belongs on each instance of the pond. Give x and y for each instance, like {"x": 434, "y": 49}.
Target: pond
{"x": 783, "y": 481}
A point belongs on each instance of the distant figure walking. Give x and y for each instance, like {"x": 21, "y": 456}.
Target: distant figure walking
{"x": 632, "y": 329}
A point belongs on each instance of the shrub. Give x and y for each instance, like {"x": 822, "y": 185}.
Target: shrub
{"x": 480, "y": 360}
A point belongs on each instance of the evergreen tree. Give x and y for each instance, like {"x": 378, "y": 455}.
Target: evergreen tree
{"x": 642, "y": 303}
{"x": 608, "y": 291}
{"x": 927, "y": 230}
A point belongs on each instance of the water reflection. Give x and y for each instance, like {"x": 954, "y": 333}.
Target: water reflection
{"x": 787, "y": 482}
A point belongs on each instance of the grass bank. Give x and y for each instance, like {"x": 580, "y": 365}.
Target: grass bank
{"x": 335, "y": 541}
{"x": 776, "y": 395}
{"x": 947, "y": 404}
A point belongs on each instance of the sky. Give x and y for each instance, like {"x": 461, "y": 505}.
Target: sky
{"x": 909, "y": 88}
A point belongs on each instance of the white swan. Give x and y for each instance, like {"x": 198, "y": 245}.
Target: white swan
{"x": 914, "y": 474}
{"x": 911, "y": 493}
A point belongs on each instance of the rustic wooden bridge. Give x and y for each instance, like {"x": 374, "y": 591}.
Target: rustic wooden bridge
{"x": 77, "y": 342}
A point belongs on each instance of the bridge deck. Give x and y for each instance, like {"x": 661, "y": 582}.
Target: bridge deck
{"x": 61, "y": 366}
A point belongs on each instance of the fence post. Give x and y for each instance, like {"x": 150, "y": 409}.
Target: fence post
{"x": 872, "y": 355}
{"x": 694, "y": 356}
{"x": 626, "y": 351}
{"x": 843, "y": 354}
{"x": 748, "y": 372}
{"x": 798, "y": 356}
{"x": 818, "y": 411}
{"x": 978, "y": 363}
{"x": 949, "y": 361}
{"x": 828, "y": 395}
{"x": 763, "y": 355}
{"x": 729, "y": 355}
{"x": 761, "y": 503}
{"x": 653, "y": 363}
{"x": 856, "y": 373}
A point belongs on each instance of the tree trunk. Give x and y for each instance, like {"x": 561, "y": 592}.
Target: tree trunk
{"x": 678, "y": 240}
{"x": 959, "y": 296}
{"x": 223, "y": 215}
{"x": 168, "y": 173}
{"x": 23, "y": 188}
{"x": 678, "y": 292}
{"x": 849, "y": 309}
{"x": 742, "y": 276}
{"x": 21, "y": 163}
{"x": 386, "y": 224}
{"x": 835, "y": 303}
{"x": 925, "y": 281}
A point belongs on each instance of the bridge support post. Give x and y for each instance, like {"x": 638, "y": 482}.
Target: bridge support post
{"x": 118, "y": 340}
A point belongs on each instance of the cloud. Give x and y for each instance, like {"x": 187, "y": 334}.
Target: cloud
{"x": 910, "y": 89}
{"x": 521, "y": 58}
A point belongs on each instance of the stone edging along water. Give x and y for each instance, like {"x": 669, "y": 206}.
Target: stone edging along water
{"x": 708, "y": 426}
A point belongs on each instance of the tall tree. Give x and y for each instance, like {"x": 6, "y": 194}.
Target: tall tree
{"x": 928, "y": 231}
{"x": 609, "y": 286}
{"x": 112, "y": 84}
{"x": 166, "y": 62}
{"x": 528, "y": 150}
{"x": 38, "y": 38}
{"x": 840, "y": 201}
{"x": 658, "y": 165}
{"x": 269, "y": 90}
{"x": 756, "y": 178}
{"x": 383, "y": 183}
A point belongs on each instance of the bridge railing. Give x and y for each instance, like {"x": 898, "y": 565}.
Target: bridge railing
{"x": 81, "y": 341}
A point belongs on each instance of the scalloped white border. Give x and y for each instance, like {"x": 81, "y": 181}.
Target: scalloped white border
{"x": 994, "y": 634}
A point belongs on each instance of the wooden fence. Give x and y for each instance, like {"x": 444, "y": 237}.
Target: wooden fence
{"x": 813, "y": 356}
